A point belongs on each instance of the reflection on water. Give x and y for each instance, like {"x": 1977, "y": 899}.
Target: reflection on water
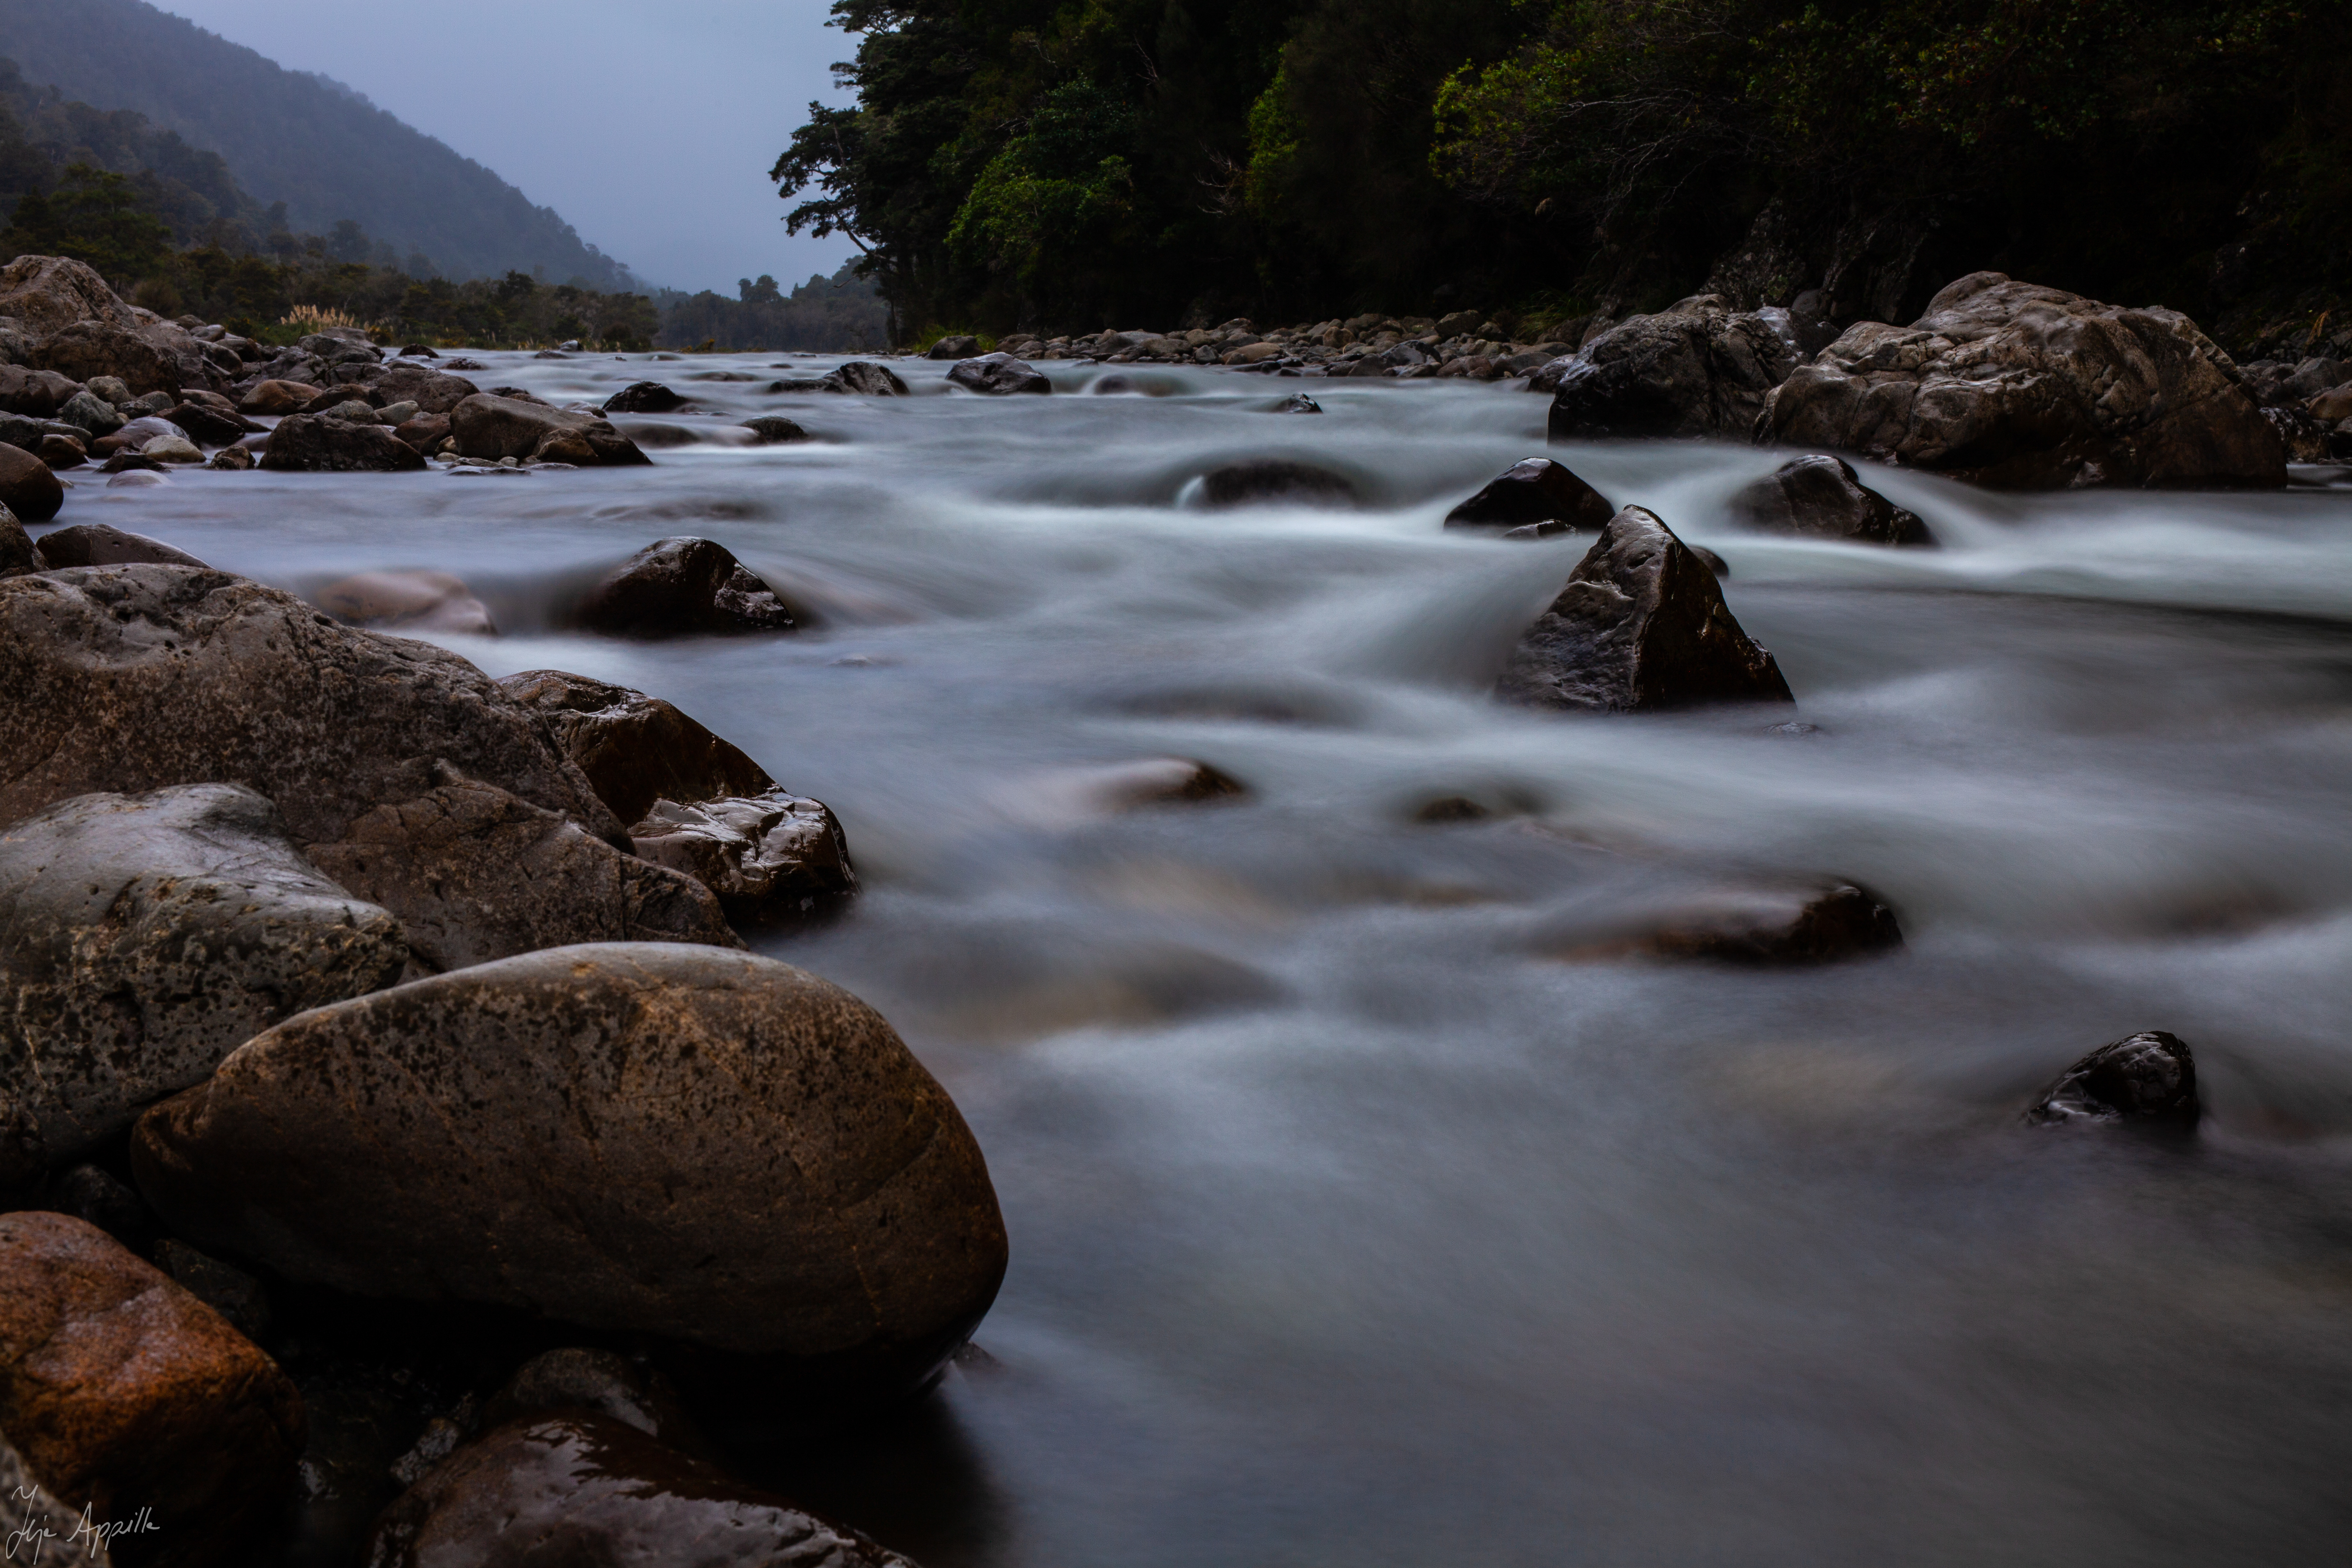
{"x": 1348, "y": 1225}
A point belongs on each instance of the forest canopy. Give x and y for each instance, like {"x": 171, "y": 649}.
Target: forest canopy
{"x": 1115, "y": 163}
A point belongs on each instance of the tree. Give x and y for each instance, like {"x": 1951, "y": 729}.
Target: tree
{"x": 94, "y": 216}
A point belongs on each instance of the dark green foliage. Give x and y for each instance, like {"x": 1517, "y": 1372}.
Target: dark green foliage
{"x": 1020, "y": 164}
{"x": 94, "y": 216}
{"x": 825, "y": 314}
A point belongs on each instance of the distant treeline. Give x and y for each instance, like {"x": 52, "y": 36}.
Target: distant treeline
{"x": 840, "y": 312}
{"x": 1044, "y": 165}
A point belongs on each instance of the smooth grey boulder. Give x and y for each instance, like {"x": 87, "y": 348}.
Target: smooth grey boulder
{"x": 771, "y": 859}
{"x": 602, "y": 1494}
{"x": 688, "y": 1143}
{"x": 142, "y": 938}
{"x": 2018, "y": 386}
{"x": 136, "y": 677}
{"x": 1821, "y": 497}
{"x": 1533, "y": 492}
{"x": 2148, "y": 1079}
{"x": 1641, "y": 624}
{"x": 998, "y": 374}
{"x": 1697, "y": 368}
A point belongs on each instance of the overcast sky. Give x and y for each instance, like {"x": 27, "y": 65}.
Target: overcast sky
{"x": 649, "y": 126}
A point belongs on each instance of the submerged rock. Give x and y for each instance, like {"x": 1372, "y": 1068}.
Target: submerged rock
{"x": 2023, "y": 387}
{"x": 687, "y": 1142}
{"x": 634, "y": 749}
{"x": 142, "y": 938}
{"x": 417, "y": 601}
{"x": 610, "y": 1495}
{"x": 1297, "y": 403}
{"x": 1532, "y": 493}
{"x": 682, "y": 587}
{"x": 999, "y": 373}
{"x": 1641, "y": 624}
{"x": 1778, "y": 926}
{"x": 1822, "y": 497}
{"x": 2148, "y": 1079}
{"x": 133, "y": 678}
{"x": 771, "y": 858}
{"x": 774, "y": 429}
{"x": 1697, "y": 368}
{"x": 100, "y": 544}
{"x": 323, "y": 443}
{"x": 130, "y": 1397}
{"x": 28, "y": 488}
{"x": 864, "y": 378}
{"x": 1270, "y": 481}
{"x": 644, "y": 398}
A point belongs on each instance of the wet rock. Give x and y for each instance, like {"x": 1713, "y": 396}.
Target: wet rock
{"x": 999, "y": 373}
{"x": 1550, "y": 528}
{"x": 773, "y": 429}
{"x": 423, "y": 434}
{"x": 236, "y": 1295}
{"x": 1274, "y": 482}
{"x": 410, "y": 601}
{"x": 771, "y": 859}
{"x": 172, "y": 449}
{"x": 433, "y": 391}
{"x": 864, "y": 378}
{"x": 634, "y": 749}
{"x": 322, "y": 444}
{"x": 49, "y": 293}
{"x": 953, "y": 348}
{"x": 61, "y": 451}
{"x": 1298, "y": 403}
{"x": 28, "y": 487}
{"x": 88, "y": 349}
{"x": 2022, "y": 387}
{"x": 209, "y": 426}
{"x": 611, "y": 1495}
{"x": 1639, "y": 625}
{"x": 98, "y": 544}
{"x": 1534, "y": 491}
{"x": 97, "y": 1197}
{"x": 1063, "y": 795}
{"x": 142, "y": 938}
{"x": 231, "y": 460}
{"x": 88, "y": 414}
{"x": 127, "y": 461}
{"x": 1778, "y": 926}
{"x": 1697, "y": 368}
{"x": 644, "y": 398}
{"x": 486, "y": 874}
{"x": 633, "y": 1393}
{"x": 37, "y": 393}
{"x": 277, "y": 397}
{"x": 133, "y": 678}
{"x": 129, "y": 1396}
{"x": 487, "y": 426}
{"x": 17, "y": 555}
{"x": 682, "y": 587}
{"x": 1822, "y": 497}
{"x": 396, "y": 414}
{"x": 2148, "y": 1079}
{"x": 687, "y": 1143}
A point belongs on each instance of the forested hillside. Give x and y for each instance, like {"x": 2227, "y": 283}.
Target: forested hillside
{"x": 842, "y": 311}
{"x": 323, "y": 151}
{"x": 1051, "y": 165}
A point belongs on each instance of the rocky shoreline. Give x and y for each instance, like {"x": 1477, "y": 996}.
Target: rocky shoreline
{"x": 400, "y": 1150}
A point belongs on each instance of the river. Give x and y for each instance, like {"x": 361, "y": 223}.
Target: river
{"x": 1350, "y": 1223}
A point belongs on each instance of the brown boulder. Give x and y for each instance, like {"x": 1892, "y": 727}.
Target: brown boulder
{"x": 433, "y": 391}
{"x": 644, "y": 398}
{"x": 29, "y": 1515}
{"x": 688, "y": 1143}
{"x": 130, "y": 354}
{"x": 1822, "y": 497}
{"x": 1642, "y": 624}
{"x": 28, "y": 487}
{"x": 773, "y": 859}
{"x": 2022, "y": 387}
{"x": 585, "y": 1488}
{"x": 492, "y": 426}
{"x": 50, "y": 293}
{"x": 132, "y": 678}
{"x": 634, "y": 749}
{"x": 275, "y": 398}
{"x": 424, "y": 433}
{"x": 142, "y": 938}
{"x": 320, "y": 444}
{"x": 125, "y": 1394}
{"x": 17, "y": 554}
{"x": 208, "y": 427}
{"x": 62, "y": 451}
{"x": 682, "y": 587}
{"x": 101, "y": 544}
{"x": 37, "y": 393}
{"x": 1534, "y": 491}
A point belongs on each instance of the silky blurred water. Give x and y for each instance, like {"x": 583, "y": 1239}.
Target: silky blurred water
{"x": 1349, "y": 1226}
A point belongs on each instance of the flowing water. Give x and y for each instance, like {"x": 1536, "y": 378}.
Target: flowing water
{"x": 1362, "y": 1213}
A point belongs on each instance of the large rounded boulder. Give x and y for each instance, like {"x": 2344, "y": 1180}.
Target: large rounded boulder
{"x": 1695, "y": 368}
{"x": 383, "y": 755}
{"x": 692, "y": 1144}
{"x": 28, "y": 488}
{"x": 2022, "y": 387}
{"x": 142, "y": 938}
{"x": 487, "y": 426}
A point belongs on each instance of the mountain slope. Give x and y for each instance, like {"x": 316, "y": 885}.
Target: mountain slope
{"x": 291, "y": 137}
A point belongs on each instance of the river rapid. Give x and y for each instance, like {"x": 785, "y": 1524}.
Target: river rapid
{"x": 1351, "y": 1222}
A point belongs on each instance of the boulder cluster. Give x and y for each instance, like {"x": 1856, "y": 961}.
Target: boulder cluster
{"x": 1463, "y": 343}
{"x": 393, "y": 1124}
